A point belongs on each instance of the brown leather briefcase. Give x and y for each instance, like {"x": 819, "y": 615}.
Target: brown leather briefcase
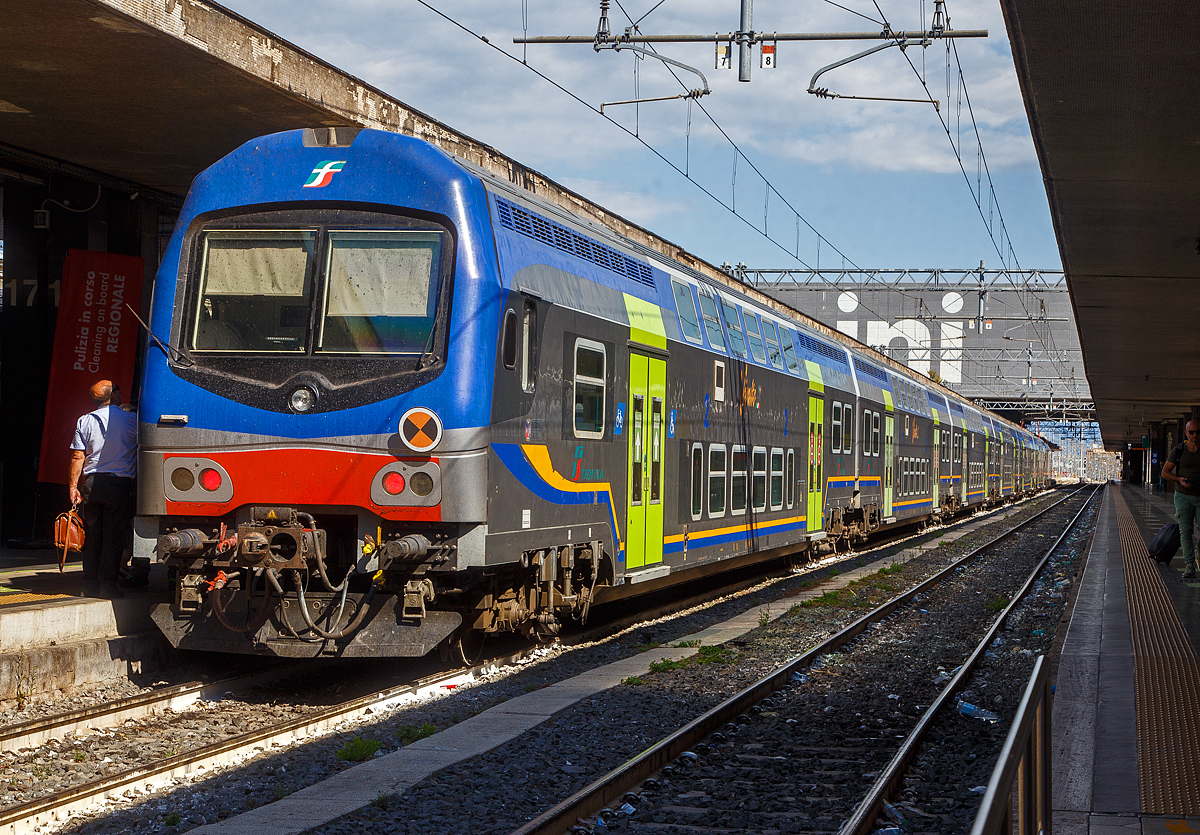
{"x": 68, "y": 535}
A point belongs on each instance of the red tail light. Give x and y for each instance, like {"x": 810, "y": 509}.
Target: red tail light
{"x": 393, "y": 483}
{"x": 210, "y": 479}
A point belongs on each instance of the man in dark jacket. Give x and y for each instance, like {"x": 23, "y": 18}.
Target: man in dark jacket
{"x": 1183, "y": 470}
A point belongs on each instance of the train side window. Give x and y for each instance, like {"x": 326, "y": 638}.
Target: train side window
{"x": 866, "y": 435}
{"x": 835, "y": 429}
{"x": 637, "y": 472}
{"x": 689, "y": 322}
{"x": 716, "y": 480}
{"x": 760, "y": 479}
{"x": 776, "y": 479}
{"x": 719, "y": 381}
{"x": 789, "y": 351}
{"x": 753, "y": 337}
{"x": 875, "y": 433}
{"x": 737, "y": 483}
{"x": 790, "y": 478}
{"x": 820, "y": 482}
{"x": 697, "y": 481}
{"x": 848, "y": 433}
{"x": 529, "y": 346}
{"x": 508, "y": 347}
{"x": 656, "y": 426}
{"x": 772, "y": 341}
{"x": 733, "y": 327}
{"x": 712, "y": 321}
{"x": 589, "y": 388}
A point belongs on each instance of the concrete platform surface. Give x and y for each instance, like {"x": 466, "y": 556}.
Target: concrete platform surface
{"x": 1098, "y": 782}
{"x": 53, "y": 641}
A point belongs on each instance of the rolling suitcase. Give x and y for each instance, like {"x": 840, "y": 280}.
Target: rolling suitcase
{"x": 1165, "y": 544}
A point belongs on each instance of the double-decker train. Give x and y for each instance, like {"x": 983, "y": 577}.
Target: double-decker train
{"x": 393, "y": 402}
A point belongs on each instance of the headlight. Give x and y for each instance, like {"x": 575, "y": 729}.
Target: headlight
{"x": 302, "y": 399}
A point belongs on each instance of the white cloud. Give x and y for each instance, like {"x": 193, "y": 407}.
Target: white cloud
{"x": 643, "y": 208}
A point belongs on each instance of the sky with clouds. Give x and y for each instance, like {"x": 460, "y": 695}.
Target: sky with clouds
{"x": 878, "y": 181}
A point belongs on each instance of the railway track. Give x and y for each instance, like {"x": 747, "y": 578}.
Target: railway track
{"x": 27, "y": 817}
{"x": 784, "y": 753}
{"x": 62, "y": 804}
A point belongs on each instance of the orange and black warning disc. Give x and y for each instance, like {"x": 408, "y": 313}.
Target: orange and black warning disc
{"x": 420, "y": 429}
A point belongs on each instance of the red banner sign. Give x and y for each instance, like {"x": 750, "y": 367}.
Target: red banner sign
{"x": 95, "y": 339}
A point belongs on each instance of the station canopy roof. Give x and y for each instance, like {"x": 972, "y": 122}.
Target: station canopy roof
{"x": 151, "y": 92}
{"x": 1110, "y": 90}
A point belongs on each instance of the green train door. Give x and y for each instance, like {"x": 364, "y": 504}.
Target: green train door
{"x": 937, "y": 464}
{"x": 816, "y": 476}
{"x": 889, "y": 461}
{"x": 644, "y": 516}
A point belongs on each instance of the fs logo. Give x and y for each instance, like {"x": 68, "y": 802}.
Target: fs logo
{"x": 323, "y": 173}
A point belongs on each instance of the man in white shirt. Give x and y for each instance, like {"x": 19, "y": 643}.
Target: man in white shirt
{"x": 103, "y": 468}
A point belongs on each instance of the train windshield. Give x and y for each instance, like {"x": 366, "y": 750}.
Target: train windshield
{"x": 255, "y": 290}
{"x": 375, "y": 291}
{"x": 380, "y": 292}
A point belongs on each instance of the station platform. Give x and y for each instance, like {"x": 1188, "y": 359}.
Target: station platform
{"x": 1126, "y": 715}
{"x": 54, "y": 642}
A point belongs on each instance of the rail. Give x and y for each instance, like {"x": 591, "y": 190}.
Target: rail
{"x": 1022, "y": 773}
{"x": 862, "y": 821}
{"x": 614, "y": 784}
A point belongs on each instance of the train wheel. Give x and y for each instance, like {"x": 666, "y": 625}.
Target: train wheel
{"x": 466, "y": 646}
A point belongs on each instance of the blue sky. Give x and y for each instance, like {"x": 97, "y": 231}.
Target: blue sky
{"x": 878, "y": 180}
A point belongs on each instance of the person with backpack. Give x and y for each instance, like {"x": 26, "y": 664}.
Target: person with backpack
{"x": 1183, "y": 469}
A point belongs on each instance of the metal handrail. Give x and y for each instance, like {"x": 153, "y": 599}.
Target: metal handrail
{"x": 1023, "y": 769}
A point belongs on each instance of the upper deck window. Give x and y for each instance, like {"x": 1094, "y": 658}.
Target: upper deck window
{"x": 789, "y": 352}
{"x": 689, "y": 323}
{"x": 756, "y": 344}
{"x": 734, "y": 328}
{"x": 712, "y": 321}
{"x": 772, "y": 344}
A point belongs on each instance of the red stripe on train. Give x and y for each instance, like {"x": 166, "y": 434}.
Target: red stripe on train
{"x": 301, "y": 478}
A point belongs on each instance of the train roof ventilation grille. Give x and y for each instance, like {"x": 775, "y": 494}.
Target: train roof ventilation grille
{"x": 870, "y": 370}
{"x": 520, "y": 219}
{"x": 817, "y": 347}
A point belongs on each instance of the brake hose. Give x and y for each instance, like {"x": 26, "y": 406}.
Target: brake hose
{"x": 350, "y": 628}
{"x": 251, "y": 625}
{"x": 312, "y": 523}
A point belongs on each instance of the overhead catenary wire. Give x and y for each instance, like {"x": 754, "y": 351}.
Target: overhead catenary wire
{"x": 737, "y": 150}
{"x": 645, "y": 144}
{"x": 799, "y": 218}
{"x": 993, "y": 202}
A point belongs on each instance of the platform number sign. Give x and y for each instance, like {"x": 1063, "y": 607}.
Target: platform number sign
{"x": 767, "y": 61}
{"x": 619, "y": 423}
{"x": 725, "y": 55}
